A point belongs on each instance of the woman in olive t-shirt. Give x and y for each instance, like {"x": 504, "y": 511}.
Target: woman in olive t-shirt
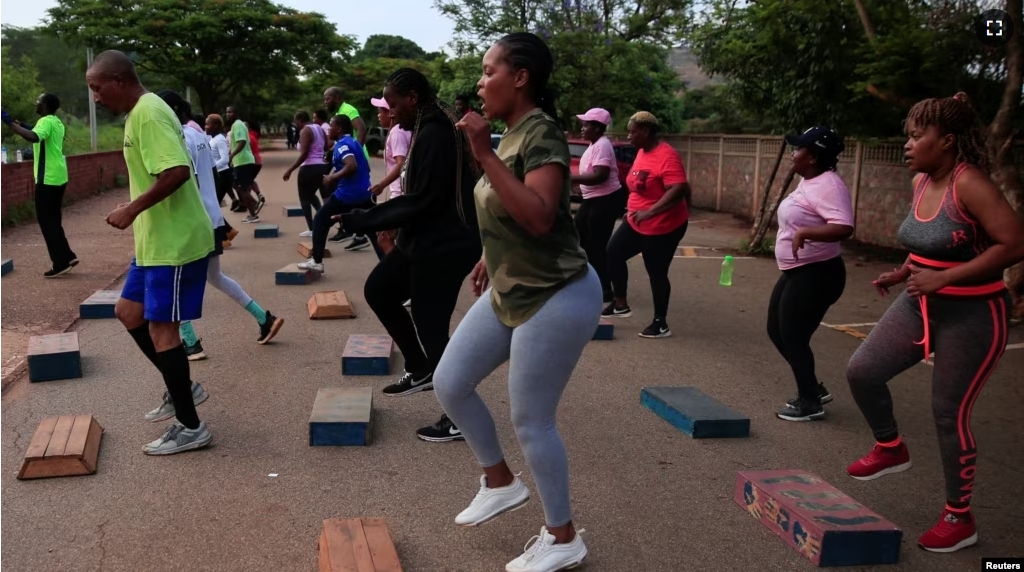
{"x": 542, "y": 308}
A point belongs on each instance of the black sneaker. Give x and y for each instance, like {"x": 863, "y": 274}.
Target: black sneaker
{"x": 657, "y": 329}
{"x": 409, "y": 385}
{"x": 259, "y": 204}
{"x": 802, "y": 410}
{"x": 195, "y": 352}
{"x": 823, "y": 395}
{"x": 57, "y": 271}
{"x": 73, "y": 262}
{"x": 358, "y": 243}
{"x": 340, "y": 236}
{"x": 441, "y": 432}
{"x": 236, "y": 207}
{"x": 269, "y": 328}
{"x": 610, "y": 311}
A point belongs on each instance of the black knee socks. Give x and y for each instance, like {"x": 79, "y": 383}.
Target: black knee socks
{"x": 173, "y": 366}
{"x": 145, "y": 342}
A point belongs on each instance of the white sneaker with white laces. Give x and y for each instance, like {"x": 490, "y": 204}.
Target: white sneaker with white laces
{"x": 543, "y": 555}
{"x": 311, "y": 265}
{"x": 306, "y": 233}
{"x": 490, "y": 503}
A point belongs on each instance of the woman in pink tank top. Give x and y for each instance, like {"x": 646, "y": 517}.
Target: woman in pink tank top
{"x": 311, "y": 166}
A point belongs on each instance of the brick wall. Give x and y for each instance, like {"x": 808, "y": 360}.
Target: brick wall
{"x": 87, "y": 175}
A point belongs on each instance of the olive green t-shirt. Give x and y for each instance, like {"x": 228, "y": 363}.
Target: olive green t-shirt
{"x": 525, "y": 271}
{"x": 48, "y": 162}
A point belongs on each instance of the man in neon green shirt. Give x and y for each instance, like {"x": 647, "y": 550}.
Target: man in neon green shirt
{"x": 173, "y": 240}
{"x": 50, "y": 174}
{"x": 243, "y": 163}
{"x": 334, "y": 101}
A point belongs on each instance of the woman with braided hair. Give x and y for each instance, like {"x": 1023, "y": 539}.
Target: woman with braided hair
{"x": 961, "y": 234}
{"x": 437, "y": 242}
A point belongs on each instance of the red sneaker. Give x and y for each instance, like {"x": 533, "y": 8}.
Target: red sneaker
{"x": 881, "y": 461}
{"x": 953, "y": 532}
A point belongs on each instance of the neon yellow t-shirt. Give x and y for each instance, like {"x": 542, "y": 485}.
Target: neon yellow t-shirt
{"x": 49, "y": 152}
{"x": 176, "y": 230}
{"x": 352, "y": 113}
{"x": 239, "y": 132}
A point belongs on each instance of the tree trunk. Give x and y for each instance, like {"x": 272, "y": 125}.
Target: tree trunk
{"x": 865, "y": 20}
{"x": 1005, "y": 172}
{"x": 759, "y": 220}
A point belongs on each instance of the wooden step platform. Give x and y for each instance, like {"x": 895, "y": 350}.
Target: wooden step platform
{"x": 266, "y": 231}
{"x": 605, "y": 330}
{"x": 292, "y": 210}
{"x": 330, "y": 306}
{"x": 54, "y": 356}
{"x": 357, "y": 545}
{"x": 306, "y": 249}
{"x": 693, "y": 412}
{"x": 100, "y": 305}
{"x": 367, "y": 355}
{"x": 63, "y": 446}
{"x": 818, "y": 520}
{"x": 341, "y": 417}
{"x": 292, "y": 275}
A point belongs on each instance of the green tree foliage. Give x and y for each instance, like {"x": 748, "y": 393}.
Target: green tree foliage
{"x": 388, "y": 46}
{"x": 20, "y": 87}
{"x": 61, "y": 66}
{"x": 608, "y": 53}
{"x": 247, "y": 51}
{"x": 799, "y": 63}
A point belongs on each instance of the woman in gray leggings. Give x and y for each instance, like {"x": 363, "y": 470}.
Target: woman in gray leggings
{"x": 541, "y": 310}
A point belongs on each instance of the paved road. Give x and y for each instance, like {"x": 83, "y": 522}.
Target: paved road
{"x": 650, "y": 498}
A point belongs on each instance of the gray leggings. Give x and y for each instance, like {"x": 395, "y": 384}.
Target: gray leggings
{"x": 968, "y": 338}
{"x": 542, "y": 353}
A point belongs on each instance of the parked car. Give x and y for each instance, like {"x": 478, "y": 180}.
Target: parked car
{"x": 625, "y": 154}
{"x": 375, "y": 138}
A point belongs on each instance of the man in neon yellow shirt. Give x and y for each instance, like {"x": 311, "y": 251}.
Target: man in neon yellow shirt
{"x": 50, "y": 174}
{"x": 173, "y": 240}
{"x": 243, "y": 163}
{"x": 334, "y": 101}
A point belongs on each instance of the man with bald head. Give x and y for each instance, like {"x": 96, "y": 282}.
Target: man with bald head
{"x": 173, "y": 240}
{"x": 334, "y": 101}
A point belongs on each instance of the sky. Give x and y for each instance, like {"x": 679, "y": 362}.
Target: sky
{"x": 417, "y": 20}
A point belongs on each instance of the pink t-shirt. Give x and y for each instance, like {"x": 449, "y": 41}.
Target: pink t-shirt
{"x": 600, "y": 154}
{"x": 397, "y": 145}
{"x": 815, "y": 202}
{"x": 195, "y": 126}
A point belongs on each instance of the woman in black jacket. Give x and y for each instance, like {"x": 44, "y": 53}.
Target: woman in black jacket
{"x": 438, "y": 241}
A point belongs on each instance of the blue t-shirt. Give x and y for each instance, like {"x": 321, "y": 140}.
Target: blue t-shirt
{"x": 355, "y": 188}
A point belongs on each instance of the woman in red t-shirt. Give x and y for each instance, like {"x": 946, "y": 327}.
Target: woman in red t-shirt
{"x": 254, "y": 143}
{"x": 656, "y": 217}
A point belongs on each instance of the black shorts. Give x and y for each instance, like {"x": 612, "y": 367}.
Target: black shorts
{"x": 220, "y": 234}
{"x": 259, "y": 167}
{"x": 245, "y": 175}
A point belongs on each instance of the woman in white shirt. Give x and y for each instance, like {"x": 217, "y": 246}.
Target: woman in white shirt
{"x": 219, "y": 147}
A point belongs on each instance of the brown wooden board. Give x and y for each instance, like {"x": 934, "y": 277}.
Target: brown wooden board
{"x": 357, "y": 545}
{"x": 306, "y": 249}
{"x": 329, "y": 305}
{"x": 63, "y": 446}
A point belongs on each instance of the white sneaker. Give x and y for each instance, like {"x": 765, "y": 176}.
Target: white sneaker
{"x": 178, "y": 439}
{"x": 311, "y": 265}
{"x": 490, "y": 503}
{"x": 306, "y": 233}
{"x": 408, "y": 303}
{"x": 543, "y": 555}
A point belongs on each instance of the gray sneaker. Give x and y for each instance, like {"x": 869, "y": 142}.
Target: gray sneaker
{"x": 166, "y": 409}
{"x": 178, "y": 439}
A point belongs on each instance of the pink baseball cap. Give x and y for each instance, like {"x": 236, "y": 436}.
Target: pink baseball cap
{"x": 597, "y": 114}
{"x": 379, "y": 103}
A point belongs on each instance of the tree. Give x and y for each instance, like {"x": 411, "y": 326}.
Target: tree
{"x": 20, "y": 87}
{"x": 387, "y": 46}
{"x": 226, "y": 50}
{"x": 61, "y": 67}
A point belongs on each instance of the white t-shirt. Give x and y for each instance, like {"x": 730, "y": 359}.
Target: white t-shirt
{"x": 221, "y": 153}
{"x": 202, "y": 162}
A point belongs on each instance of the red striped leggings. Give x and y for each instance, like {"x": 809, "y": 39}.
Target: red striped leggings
{"x": 968, "y": 336}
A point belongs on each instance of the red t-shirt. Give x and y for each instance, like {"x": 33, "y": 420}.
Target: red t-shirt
{"x": 254, "y": 143}
{"x": 651, "y": 174}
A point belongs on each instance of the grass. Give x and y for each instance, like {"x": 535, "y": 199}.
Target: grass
{"x": 76, "y": 138}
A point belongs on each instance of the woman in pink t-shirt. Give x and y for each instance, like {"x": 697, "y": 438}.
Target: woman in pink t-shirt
{"x": 604, "y": 199}
{"x": 396, "y": 148}
{"x": 657, "y": 213}
{"x": 812, "y": 221}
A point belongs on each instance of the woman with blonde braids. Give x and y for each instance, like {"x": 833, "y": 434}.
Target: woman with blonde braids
{"x": 657, "y": 213}
{"x": 961, "y": 234}
{"x": 437, "y": 242}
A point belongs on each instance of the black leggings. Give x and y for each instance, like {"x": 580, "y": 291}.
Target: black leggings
{"x": 310, "y": 181}
{"x": 322, "y": 224}
{"x": 658, "y": 252}
{"x": 968, "y": 337}
{"x": 432, "y": 282}
{"x": 224, "y": 182}
{"x": 800, "y": 300}
{"x": 595, "y": 221}
{"x": 49, "y": 202}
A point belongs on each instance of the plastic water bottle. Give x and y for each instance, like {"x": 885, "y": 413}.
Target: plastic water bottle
{"x": 3, "y": 153}
{"x": 17, "y": 156}
{"x": 727, "y": 266}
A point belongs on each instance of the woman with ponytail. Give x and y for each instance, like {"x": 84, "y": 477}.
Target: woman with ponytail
{"x": 437, "y": 242}
{"x": 542, "y": 308}
{"x": 961, "y": 234}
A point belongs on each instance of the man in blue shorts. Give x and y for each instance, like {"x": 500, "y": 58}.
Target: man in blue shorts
{"x": 173, "y": 241}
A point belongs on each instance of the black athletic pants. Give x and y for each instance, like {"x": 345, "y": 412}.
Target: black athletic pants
{"x": 322, "y": 224}
{"x": 658, "y": 252}
{"x": 595, "y": 221}
{"x": 49, "y": 202}
{"x": 310, "y": 182}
